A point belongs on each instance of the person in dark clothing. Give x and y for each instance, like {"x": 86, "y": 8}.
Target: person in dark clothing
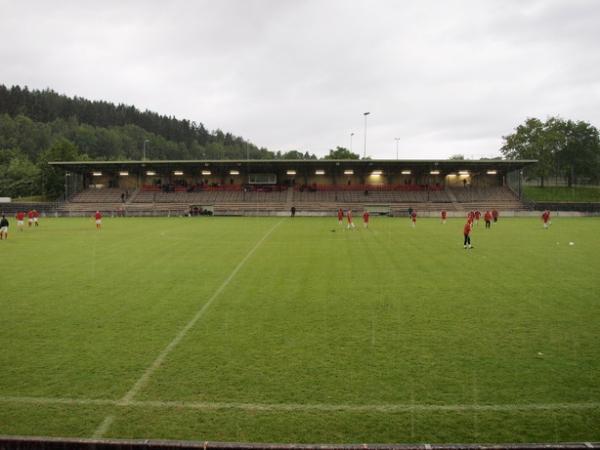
{"x": 3, "y": 228}
{"x": 293, "y": 211}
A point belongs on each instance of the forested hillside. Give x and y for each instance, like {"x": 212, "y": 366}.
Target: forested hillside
{"x": 41, "y": 126}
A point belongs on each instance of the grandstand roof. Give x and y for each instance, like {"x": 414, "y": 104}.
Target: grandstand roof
{"x": 447, "y": 165}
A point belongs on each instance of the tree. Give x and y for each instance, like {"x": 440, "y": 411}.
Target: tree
{"x": 457, "y": 157}
{"x": 341, "y": 153}
{"x": 562, "y": 147}
{"x": 19, "y": 177}
{"x": 292, "y": 154}
{"x": 53, "y": 178}
{"x": 579, "y": 151}
{"x": 532, "y": 141}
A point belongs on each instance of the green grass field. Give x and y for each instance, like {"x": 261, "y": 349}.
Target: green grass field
{"x": 296, "y": 330}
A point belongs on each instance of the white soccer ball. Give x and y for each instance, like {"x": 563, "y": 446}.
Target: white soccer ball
{"x": 571, "y": 243}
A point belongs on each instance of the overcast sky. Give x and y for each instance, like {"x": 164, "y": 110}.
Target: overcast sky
{"x": 445, "y": 77}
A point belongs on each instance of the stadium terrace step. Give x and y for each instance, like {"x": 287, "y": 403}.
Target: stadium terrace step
{"x": 238, "y": 202}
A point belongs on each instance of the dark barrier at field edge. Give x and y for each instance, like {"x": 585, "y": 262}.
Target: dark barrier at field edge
{"x": 567, "y": 206}
{"x": 48, "y": 443}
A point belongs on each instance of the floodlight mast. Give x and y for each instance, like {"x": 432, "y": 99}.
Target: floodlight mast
{"x": 365, "y": 146}
{"x": 351, "y": 134}
{"x": 397, "y": 140}
{"x": 144, "y": 149}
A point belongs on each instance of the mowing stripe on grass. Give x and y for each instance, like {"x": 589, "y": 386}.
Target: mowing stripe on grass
{"x": 298, "y": 407}
{"x": 143, "y": 380}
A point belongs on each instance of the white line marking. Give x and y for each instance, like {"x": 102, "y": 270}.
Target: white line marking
{"x": 58, "y": 401}
{"x": 103, "y": 427}
{"x": 293, "y": 407}
{"x": 141, "y": 382}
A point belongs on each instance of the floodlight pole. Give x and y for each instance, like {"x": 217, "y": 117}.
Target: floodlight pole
{"x": 144, "y": 150}
{"x": 365, "y": 146}
{"x": 351, "y": 134}
{"x": 397, "y": 140}
{"x": 520, "y": 185}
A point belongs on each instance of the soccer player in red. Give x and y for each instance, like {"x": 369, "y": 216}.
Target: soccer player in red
{"x": 477, "y": 217}
{"x": 495, "y": 215}
{"x": 444, "y": 214}
{"x": 340, "y": 216}
{"x": 30, "y": 216}
{"x": 349, "y": 218}
{"x": 20, "y": 216}
{"x": 413, "y": 217}
{"x": 36, "y": 216}
{"x": 98, "y": 217}
{"x": 488, "y": 219}
{"x": 366, "y": 219}
{"x": 546, "y": 218}
{"x": 467, "y": 232}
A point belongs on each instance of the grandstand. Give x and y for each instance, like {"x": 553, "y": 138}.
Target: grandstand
{"x": 272, "y": 187}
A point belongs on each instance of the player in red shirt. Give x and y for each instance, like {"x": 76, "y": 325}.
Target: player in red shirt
{"x": 349, "y": 218}
{"x": 30, "y": 216}
{"x": 477, "y": 217}
{"x": 20, "y": 216}
{"x": 413, "y": 217}
{"x": 467, "y": 234}
{"x": 546, "y": 218}
{"x": 36, "y": 216}
{"x": 340, "y": 216}
{"x": 488, "y": 219}
{"x": 98, "y": 217}
{"x": 444, "y": 214}
{"x": 495, "y": 215}
{"x": 366, "y": 219}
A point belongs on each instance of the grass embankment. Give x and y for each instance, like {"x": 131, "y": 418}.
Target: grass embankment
{"x": 563, "y": 194}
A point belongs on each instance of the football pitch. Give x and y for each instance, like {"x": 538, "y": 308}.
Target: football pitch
{"x": 298, "y": 330}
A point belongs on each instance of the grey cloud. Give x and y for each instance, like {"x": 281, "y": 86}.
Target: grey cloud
{"x": 446, "y": 77}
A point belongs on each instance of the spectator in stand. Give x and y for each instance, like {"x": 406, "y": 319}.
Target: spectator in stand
{"x": 349, "y": 218}
{"x": 20, "y": 216}
{"x": 488, "y": 219}
{"x": 546, "y": 218}
{"x": 444, "y": 214}
{"x": 495, "y": 215}
{"x": 467, "y": 232}
{"x": 340, "y": 216}
{"x": 98, "y": 217}
{"x": 3, "y": 227}
{"x": 366, "y": 219}
{"x": 477, "y": 217}
{"x": 413, "y": 217}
